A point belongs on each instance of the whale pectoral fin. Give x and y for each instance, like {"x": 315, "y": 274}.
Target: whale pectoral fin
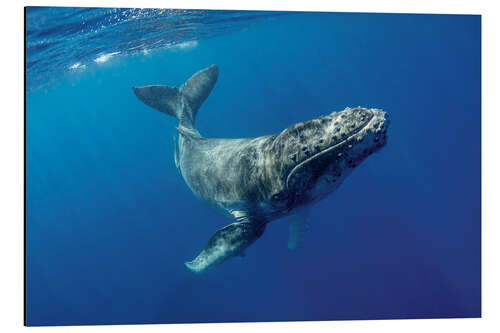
{"x": 227, "y": 242}
{"x": 297, "y": 226}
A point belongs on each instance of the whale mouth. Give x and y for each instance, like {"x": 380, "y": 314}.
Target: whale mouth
{"x": 376, "y": 123}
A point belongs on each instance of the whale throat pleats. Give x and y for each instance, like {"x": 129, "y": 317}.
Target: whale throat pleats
{"x": 183, "y": 102}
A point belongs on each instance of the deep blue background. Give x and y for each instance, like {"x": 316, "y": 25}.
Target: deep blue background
{"x": 110, "y": 221}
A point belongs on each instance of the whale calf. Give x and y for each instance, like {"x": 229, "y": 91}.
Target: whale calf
{"x": 257, "y": 180}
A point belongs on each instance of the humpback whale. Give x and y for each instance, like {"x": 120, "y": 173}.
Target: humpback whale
{"x": 256, "y": 180}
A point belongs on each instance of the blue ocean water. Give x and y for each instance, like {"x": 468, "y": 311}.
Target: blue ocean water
{"x": 110, "y": 221}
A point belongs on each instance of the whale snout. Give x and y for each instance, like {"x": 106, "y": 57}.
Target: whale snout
{"x": 366, "y": 141}
{"x": 349, "y": 122}
{"x": 347, "y": 138}
{"x": 377, "y": 128}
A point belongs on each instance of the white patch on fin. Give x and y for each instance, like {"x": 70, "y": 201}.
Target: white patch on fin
{"x": 176, "y": 152}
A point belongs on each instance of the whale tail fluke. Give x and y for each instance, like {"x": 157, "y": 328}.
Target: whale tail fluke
{"x": 183, "y": 102}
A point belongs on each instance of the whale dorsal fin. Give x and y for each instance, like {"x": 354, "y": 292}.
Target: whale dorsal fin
{"x": 182, "y": 103}
{"x": 297, "y": 226}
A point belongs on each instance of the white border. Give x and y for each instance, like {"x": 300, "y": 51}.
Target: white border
{"x": 11, "y": 177}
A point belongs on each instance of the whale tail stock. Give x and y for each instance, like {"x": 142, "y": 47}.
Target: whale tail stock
{"x": 183, "y": 102}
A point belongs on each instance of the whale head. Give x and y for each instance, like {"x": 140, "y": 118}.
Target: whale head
{"x": 317, "y": 155}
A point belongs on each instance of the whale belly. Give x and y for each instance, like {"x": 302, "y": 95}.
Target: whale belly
{"x": 227, "y": 173}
